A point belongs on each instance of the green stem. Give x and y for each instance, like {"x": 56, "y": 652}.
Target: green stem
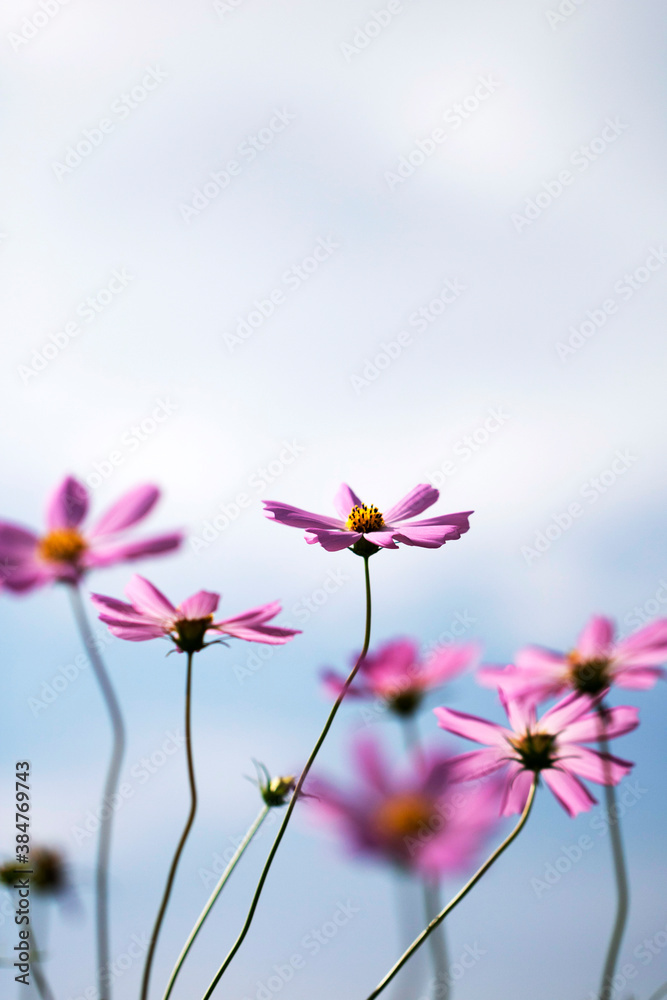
{"x": 620, "y": 872}
{"x": 108, "y": 795}
{"x": 297, "y": 790}
{"x": 238, "y": 854}
{"x": 184, "y": 836}
{"x": 459, "y": 896}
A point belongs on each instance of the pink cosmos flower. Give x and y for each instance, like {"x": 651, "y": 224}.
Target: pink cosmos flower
{"x": 551, "y": 746}
{"x": 596, "y": 663}
{"x": 396, "y": 675}
{"x": 151, "y": 616}
{"x": 359, "y": 524}
{"x": 65, "y": 552}
{"x": 418, "y": 820}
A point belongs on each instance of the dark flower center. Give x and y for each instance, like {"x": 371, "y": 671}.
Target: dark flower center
{"x": 403, "y": 815}
{"x": 190, "y": 633}
{"x": 62, "y": 545}
{"x": 405, "y": 702}
{"x": 364, "y": 518}
{"x": 588, "y": 676}
{"x": 536, "y": 751}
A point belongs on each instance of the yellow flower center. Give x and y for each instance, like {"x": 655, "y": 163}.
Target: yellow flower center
{"x": 403, "y": 815}
{"x": 536, "y": 751}
{"x": 364, "y": 518}
{"x": 588, "y": 676}
{"x": 190, "y": 633}
{"x": 62, "y": 545}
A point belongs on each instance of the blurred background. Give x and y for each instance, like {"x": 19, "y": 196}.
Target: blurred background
{"x": 251, "y": 250}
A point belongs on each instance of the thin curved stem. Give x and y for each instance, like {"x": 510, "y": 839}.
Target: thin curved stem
{"x": 238, "y": 854}
{"x": 299, "y": 785}
{"x": 459, "y": 896}
{"x": 620, "y": 872}
{"x": 184, "y": 836}
{"x": 109, "y": 794}
{"x": 42, "y": 985}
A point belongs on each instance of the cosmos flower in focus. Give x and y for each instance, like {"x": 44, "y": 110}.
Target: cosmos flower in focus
{"x": 551, "y": 747}
{"x": 65, "y": 552}
{"x": 396, "y": 675}
{"x": 418, "y": 820}
{"x": 151, "y": 615}
{"x": 597, "y": 662}
{"x": 366, "y": 529}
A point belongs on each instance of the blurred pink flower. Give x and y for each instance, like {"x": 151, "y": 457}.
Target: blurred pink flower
{"x": 418, "y": 820}
{"x": 66, "y": 552}
{"x": 550, "y": 746}
{"x": 151, "y": 616}
{"x": 596, "y": 663}
{"x": 358, "y": 521}
{"x": 396, "y": 675}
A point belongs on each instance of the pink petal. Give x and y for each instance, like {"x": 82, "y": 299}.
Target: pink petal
{"x": 68, "y": 505}
{"x": 20, "y": 578}
{"x": 550, "y": 665}
{"x": 268, "y": 634}
{"x": 596, "y": 638}
{"x": 517, "y": 789}
{"x": 136, "y": 633}
{"x": 371, "y": 764}
{"x": 459, "y": 520}
{"x": 638, "y": 678}
{"x": 129, "y": 510}
{"x": 120, "y": 610}
{"x": 472, "y": 727}
{"x": 618, "y": 721}
{"x": 297, "y": 518}
{"x": 147, "y": 598}
{"x": 333, "y": 541}
{"x": 429, "y": 537}
{"x": 572, "y": 795}
{"x": 520, "y": 711}
{"x": 385, "y": 539}
{"x": 16, "y": 541}
{"x": 19, "y": 568}
{"x": 448, "y": 663}
{"x": 345, "y": 500}
{"x": 413, "y": 503}
{"x": 565, "y": 712}
{"x": 477, "y": 764}
{"x": 255, "y": 616}
{"x": 108, "y": 555}
{"x": 200, "y": 605}
{"x": 649, "y": 641}
{"x": 334, "y": 683}
{"x": 594, "y": 766}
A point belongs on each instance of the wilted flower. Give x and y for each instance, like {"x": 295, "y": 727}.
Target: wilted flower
{"x": 594, "y": 665}
{"x": 418, "y": 820}
{"x": 396, "y": 675}
{"x": 366, "y": 529}
{"x": 551, "y": 747}
{"x": 151, "y": 615}
{"x": 65, "y": 552}
{"x": 48, "y": 872}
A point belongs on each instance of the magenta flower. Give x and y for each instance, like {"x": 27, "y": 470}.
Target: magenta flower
{"x": 396, "y": 675}
{"x": 596, "y": 663}
{"x": 419, "y": 820}
{"x": 358, "y": 522}
{"x": 152, "y": 616}
{"x": 551, "y": 747}
{"x": 65, "y": 552}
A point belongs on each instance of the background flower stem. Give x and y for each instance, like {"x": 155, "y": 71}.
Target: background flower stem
{"x": 459, "y": 896}
{"x": 299, "y": 785}
{"x": 110, "y": 786}
{"x": 184, "y": 836}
